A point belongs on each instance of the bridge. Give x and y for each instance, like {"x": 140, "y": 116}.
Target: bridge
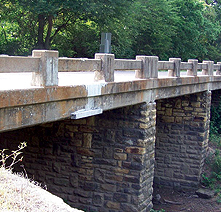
{"x": 101, "y": 131}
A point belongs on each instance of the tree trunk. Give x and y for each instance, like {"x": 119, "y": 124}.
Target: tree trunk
{"x": 41, "y": 25}
{"x": 47, "y": 39}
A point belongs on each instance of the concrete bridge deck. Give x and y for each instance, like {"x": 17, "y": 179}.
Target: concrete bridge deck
{"x": 12, "y": 81}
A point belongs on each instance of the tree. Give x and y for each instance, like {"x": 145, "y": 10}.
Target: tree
{"x": 53, "y": 16}
{"x": 195, "y": 29}
{"x": 152, "y": 25}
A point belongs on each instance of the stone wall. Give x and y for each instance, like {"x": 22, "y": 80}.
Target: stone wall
{"x": 182, "y": 139}
{"x": 102, "y": 163}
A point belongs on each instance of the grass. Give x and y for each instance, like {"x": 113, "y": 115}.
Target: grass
{"x": 20, "y": 194}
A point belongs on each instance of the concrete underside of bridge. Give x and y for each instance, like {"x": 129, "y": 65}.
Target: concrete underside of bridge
{"x": 108, "y": 162}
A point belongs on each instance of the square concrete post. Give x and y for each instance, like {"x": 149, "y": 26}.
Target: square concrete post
{"x": 48, "y": 68}
{"x": 176, "y": 71}
{"x": 193, "y": 71}
{"x": 107, "y": 67}
{"x": 149, "y": 67}
{"x": 210, "y": 69}
{"x": 218, "y": 72}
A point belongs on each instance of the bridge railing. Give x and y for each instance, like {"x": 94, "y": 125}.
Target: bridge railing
{"x": 45, "y": 65}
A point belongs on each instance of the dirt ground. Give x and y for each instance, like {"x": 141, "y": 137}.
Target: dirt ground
{"x": 174, "y": 201}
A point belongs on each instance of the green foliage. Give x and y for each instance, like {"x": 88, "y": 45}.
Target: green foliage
{"x": 166, "y": 28}
{"x": 213, "y": 160}
{"x": 218, "y": 200}
{"x": 152, "y": 26}
{"x": 215, "y": 120}
{"x": 214, "y": 177}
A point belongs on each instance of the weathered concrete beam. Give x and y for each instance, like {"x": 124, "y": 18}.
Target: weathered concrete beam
{"x": 35, "y": 106}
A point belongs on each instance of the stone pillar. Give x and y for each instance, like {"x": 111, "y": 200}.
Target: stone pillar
{"x": 182, "y": 139}
{"x": 103, "y": 163}
{"x": 125, "y": 167}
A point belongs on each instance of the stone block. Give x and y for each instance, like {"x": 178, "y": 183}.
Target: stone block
{"x": 85, "y": 201}
{"x": 118, "y": 178}
{"x": 195, "y": 104}
{"x": 90, "y": 186}
{"x": 119, "y": 150}
{"x": 144, "y": 126}
{"x": 87, "y": 138}
{"x": 205, "y": 193}
{"x": 82, "y": 193}
{"x": 107, "y": 152}
{"x": 61, "y": 182}
{"x": 85, "y": 178}
{"x": 104, "y": 161}
{"x": 135, "y": 150}
{"x": 72, "y": 128}
{"x": 108, "y": 187}
{"x": 132, "y": 179}
{"x": 120, "y": 197}
{"x": 169, "y": 112}
{"x": 121, "y": 171}
{"x": 120, "y": 156}
{"x": 83, "y": 151}
{"x": 168, "y": 119}
{"x": 98, "y": 199}
{"x": 113, "y": 205}
{"x": 129, "y": 207}
{"x": 132, "y": 165}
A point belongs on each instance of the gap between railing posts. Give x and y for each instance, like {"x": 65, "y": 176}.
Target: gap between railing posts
{"x": 149, "y": 68}
{"x": 48, "y": 68}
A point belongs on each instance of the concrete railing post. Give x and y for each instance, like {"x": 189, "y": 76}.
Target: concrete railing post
{"x": 107, "y": 67}
{"x": 193, "y": 71}
{"x": 149, "y": 67}
{"x": 218, "y": 72}
{"x": 210, "y": 69}
{"x": 48, "y": 68}
{"x": 176, "y": 71}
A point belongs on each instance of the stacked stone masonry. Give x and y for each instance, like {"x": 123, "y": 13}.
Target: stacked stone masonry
{"x": 102, "y": 163}
{"x": 182, "y": 133}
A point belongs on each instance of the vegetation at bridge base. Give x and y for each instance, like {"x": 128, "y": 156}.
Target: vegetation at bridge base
{"x": 166, "y": 28}
{"x": 212, "y": 172}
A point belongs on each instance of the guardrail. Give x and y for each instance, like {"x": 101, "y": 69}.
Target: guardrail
{"x": 45, "y": 65}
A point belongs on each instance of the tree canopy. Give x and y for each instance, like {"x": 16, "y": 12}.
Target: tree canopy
{"x": 166, "y": 28}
